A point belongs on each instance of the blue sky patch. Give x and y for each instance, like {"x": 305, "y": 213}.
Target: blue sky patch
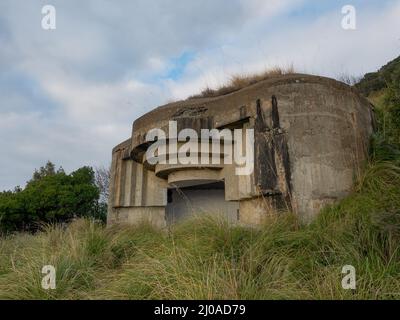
{"x": 178, "y": 65}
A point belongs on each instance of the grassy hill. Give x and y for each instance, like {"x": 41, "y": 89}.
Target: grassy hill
{"x": 383, "y": 89}
{"x": 377, "y": 81}
{"x": 205, "y": 258}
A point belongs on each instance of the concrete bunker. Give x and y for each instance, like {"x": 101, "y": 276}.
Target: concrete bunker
{"x": 311, "y": 136}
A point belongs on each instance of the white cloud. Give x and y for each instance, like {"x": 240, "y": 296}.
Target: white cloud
{"x": 266, "y": 9}
{"x": 318, "y": 46}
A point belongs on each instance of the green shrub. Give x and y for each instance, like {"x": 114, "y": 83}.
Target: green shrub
{"x": 50, "y": 197}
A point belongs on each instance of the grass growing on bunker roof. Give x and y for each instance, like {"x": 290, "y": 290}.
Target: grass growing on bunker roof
{"x": 240, "y": 81}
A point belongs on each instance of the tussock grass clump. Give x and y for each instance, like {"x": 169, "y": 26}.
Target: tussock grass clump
{"x": 238, "y": 82}
{"x": 208, "y": 258}
{"x": 83, "y": 253}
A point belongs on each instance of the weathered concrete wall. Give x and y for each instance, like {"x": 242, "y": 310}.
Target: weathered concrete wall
{"x": 311, "y": 137}
{"x": 136, "y": 194}
{"x": 137, "y": 215}
{"x": 255, "y": 211}
{"x": 328, "y": 137}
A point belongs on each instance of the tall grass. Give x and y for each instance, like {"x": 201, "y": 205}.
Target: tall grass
{"x": 208, "y": 258}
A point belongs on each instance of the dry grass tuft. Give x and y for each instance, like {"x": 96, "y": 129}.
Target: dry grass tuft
{"x": 238, "y": 82}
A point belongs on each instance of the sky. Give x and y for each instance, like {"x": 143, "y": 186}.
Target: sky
{"x": 70, "y": 94}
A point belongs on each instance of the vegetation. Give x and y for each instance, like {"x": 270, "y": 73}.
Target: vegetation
{"x": 51, "y": 196}
{"x": 376, "y": 81}
{"x": 238, "y": 82}
{"x": 206, "y": 258}
{"x": 383, "y": 89}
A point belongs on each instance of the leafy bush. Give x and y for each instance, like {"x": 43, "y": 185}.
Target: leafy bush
{"x": 50, "y": 197}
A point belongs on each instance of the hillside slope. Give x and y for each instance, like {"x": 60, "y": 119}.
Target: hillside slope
{"x": 381, "y": 79}
{"x": 383, "y": 90}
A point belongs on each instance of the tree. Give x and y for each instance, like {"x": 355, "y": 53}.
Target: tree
{"x": 51, "y": 196}
{"x": 47, "y": 170}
